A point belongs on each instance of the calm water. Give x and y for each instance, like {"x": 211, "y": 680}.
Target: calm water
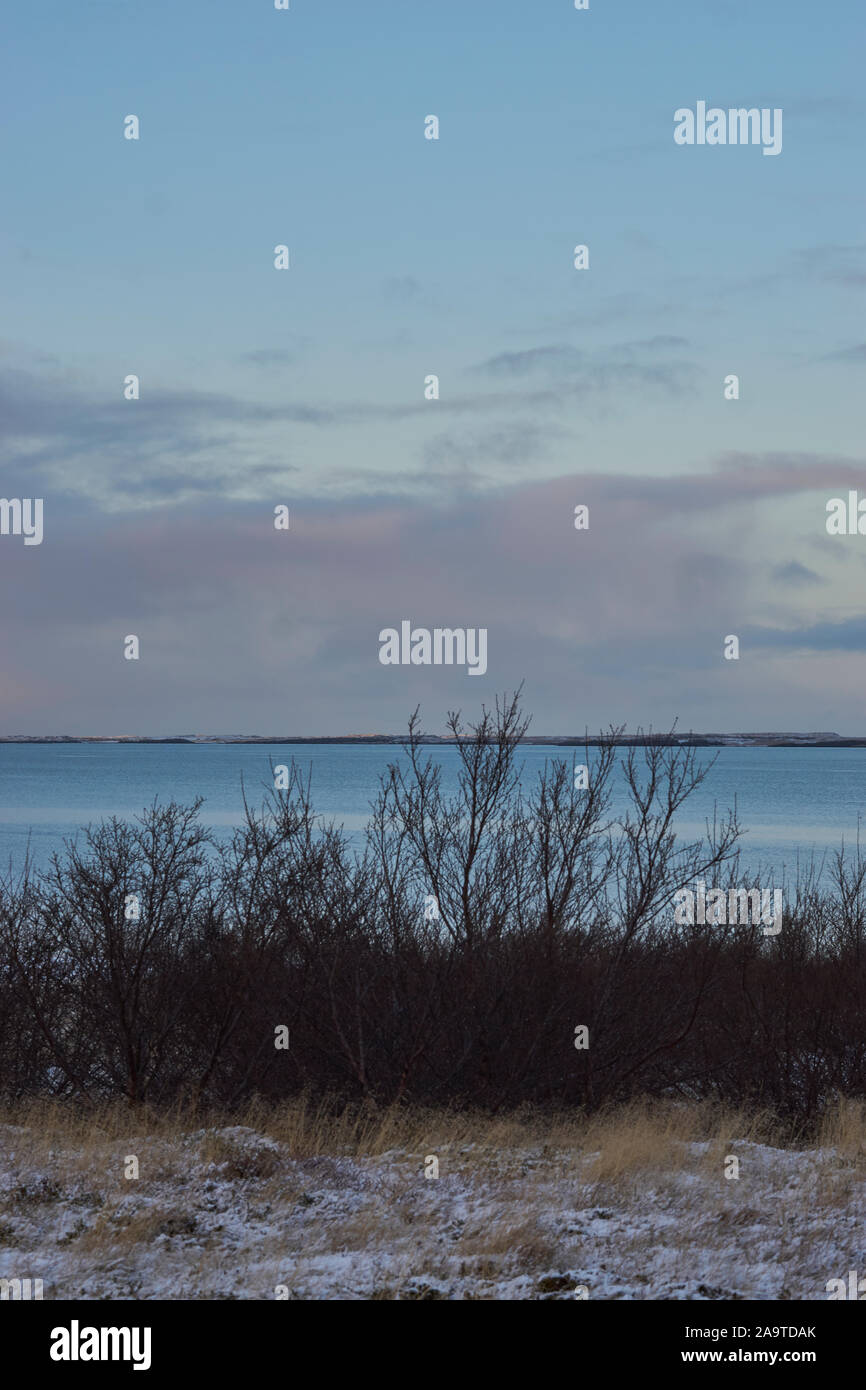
{"x": 789, "y": 800}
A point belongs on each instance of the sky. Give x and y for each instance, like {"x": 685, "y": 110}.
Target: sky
{"x": 411, "y": 257}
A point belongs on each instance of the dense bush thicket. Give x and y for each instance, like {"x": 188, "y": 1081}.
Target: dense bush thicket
{"x": 552, "y": 913}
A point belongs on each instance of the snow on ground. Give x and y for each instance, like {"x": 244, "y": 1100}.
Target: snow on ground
{"x": 231, "y": 1213}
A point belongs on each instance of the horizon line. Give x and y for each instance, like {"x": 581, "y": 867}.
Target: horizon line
{"x": 639, "y": 737}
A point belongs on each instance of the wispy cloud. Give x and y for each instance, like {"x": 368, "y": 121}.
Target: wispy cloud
{"x": 236, "y": 617}
{"x": 270, "y": 357}
{"x": 852, "y": 354}
{"x": 401, "y": 289}
{"x": 846, "y": 635}
{"x": 795, "y": 573}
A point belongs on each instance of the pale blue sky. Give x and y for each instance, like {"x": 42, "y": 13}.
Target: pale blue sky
{"x": 412, "y": 257}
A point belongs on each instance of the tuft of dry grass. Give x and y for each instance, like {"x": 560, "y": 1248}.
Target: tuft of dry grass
{"x": 843, "y": 1128}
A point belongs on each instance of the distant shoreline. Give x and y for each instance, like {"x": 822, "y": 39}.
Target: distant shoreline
{"x": 767, "y": 740}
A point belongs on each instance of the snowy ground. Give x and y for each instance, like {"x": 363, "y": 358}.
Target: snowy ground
{"x": 230, "y": 1213}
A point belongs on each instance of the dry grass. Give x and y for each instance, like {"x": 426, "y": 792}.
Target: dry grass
{"x": 844, "y": 1129}
{"x": 610, "y": 1146}
{"x": 231, "y": 1206}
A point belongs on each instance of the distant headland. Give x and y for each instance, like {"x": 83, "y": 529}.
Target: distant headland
{"x": 638, "y": 740}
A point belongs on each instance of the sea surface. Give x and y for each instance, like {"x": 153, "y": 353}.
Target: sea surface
{"x": 792, "y": 802}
